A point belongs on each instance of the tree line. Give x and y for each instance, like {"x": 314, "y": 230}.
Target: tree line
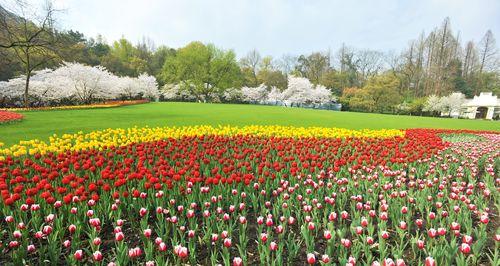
{"x": 437, "y": 63}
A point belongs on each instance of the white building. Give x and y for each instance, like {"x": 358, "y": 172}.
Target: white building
{"x": 484, "y": 106}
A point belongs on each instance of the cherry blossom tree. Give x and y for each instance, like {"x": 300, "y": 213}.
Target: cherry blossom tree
{"x": 175, "y": 92}
{"x": 255, "y": 95}
{"x": 302, "y": 91}
{"x": 433, "y": 104}
{"x": 275, "y": 96}
{"x": 148, "y": 86}
{"x": 78, "y": 83}
{"x": 451, "y": 104}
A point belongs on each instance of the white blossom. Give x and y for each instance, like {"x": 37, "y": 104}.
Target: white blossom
{"x": 257, "y": 94}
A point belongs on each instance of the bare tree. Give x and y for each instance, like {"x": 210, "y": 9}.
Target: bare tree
{"x": 252, "y": 61}
{"x": 30, "y": 36}
{"x": 470, "y": 62}
{"x": 488, "y": 52}
{"x": 369, "y": 63}
{"x": 287, "y": 63}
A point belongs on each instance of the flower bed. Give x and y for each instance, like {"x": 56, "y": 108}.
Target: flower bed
{"x": 252, "y": 196}
{"x": 108, "y": 104}
{"x": 7, "y": 116}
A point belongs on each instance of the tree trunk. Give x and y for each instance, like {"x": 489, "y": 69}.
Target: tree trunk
{"x": 26, "y": 90}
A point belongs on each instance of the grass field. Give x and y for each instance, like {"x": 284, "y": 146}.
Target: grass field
{"x": 42, "y": 124}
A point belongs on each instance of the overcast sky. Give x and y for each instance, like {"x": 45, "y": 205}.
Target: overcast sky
{"x": 277, "y": 27}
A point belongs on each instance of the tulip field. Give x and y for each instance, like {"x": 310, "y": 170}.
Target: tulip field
{"x": 252, "y": 195}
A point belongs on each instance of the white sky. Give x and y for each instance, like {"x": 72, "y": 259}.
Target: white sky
{"x": 277, "y": 27}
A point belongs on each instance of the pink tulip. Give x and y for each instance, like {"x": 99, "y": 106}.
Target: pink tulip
{"x": 17, "y": 234}
{"x": 31, "y": 248}
{"x": 134, "y": 252}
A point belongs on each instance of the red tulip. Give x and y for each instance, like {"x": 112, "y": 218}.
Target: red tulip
{"x": 327, "y": 234}
{"x": 325, "y": 258}
{"x": 237, "y": 261}
{"x": 97, "y": 256}
{"x": 311, "y": 259}
{"x": 429, "y": 261}
{"x": 384, "y": 234}
{"x": 402, "y": 225}
{"x": 465, "y": 248}
{"x": 484, "y": 219}
{"x": 263, "y": 237}
{"x": 147, "y": 233}
{"x": 72, "y": 228}
{"x": 364, "y": 222}
{"x": 311, "y": 226}
{"x": 420, "y": 244}
{"x": 119, "y": 236}
{"x": 182, "y": 252}
{"x": 78, "y": 255}
{"x": 143, "y": 212}
{"x": 273, "y": 246}
{"x": 227, "y": 242}
{"x": 432, "y": 233}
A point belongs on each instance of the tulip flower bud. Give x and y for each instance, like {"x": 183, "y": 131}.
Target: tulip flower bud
{"x": 273, "y": 246}
{"x": 465, "y": 248}
{"x": 31, "y": 248}
{"x": 97, "y": 256}
{"x": 96, "y": 241}
{"x": 429, "y": 261}
{"x": 327, "y": 234}
{"x": 311, "y": 259}
{"x": 325, "y": 259}
{"x": 78, "y": 255}
{"x": 147, "y": 233}
{"x": 237, "y": 261}
{"x": 420, "y": 244}
{"x": 119, "y": 236}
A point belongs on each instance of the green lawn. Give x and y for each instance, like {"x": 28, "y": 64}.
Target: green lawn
{"x": 42, "y": 124}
